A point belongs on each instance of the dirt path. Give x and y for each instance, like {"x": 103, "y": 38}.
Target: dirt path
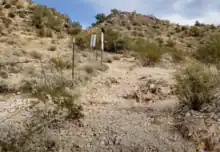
{"x": 113, "y": 123}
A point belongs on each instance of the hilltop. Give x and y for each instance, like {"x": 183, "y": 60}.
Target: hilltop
{"x": 149, "y": 27}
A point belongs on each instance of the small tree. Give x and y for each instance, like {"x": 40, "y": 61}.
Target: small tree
{"x": 114, "y": 11}
{"x": 100, "y": 18}
{"x": 76, "y": 24}
{"x": 197, "y": 23}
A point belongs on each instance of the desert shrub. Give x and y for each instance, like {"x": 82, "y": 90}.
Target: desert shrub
{"x": 82, "y": 40}
{"x": 73, "y": 31}
{"x": 6, "y": 21}
{"x": 61, "y": 98}
{"x": 7, "y": 6}
{"x": 43, "y": 16}
{"x": 170, "y": 43}
{"x": 148, "y": 53}
{"x": 43, "y": 32}
{"x": 115, "y": 11}
{"x": 116, "y": 57}
{"x": 11, "y": 14}
{"x": 195, "y": 31}
{"x": 52, "y": 48}
{"x": 195, "y": 85}
{"x": 134, "y": 33}
{"x": 89, "y": 69}
{"x": 128, "y": 27}
{"x": 160, "y": 40}
{"x": 36, "y": 55}
{"x": 1, "y": 28}
{"x": 100, "y": 18}
{"x": 189, "y": 45}
{"x": 114, "y": 41}
{"x": 60, "y": 64}
{"x": 2, "y": 14}
{"x": 184, "y": 28}
{"x": 136, "y": 23}
{"x": 197, "y": 23}
{"x": 176, "y": 55}
{"x": 108, "y": 59}
{"x": 22, "y": 14}
{"x": 213, "y": 27}
{"x": 209, "y": 52}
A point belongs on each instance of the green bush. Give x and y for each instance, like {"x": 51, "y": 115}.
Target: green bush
{"x": 148, "y": 53}
{"x": 195, "y": 31}
{"x": 176, "y": 55}
{"x": 44, "y": 32}
{"x": 11, "y": 14}
{"x": 115, "y": 11}
{"x": 170, "y": 43}
{"x": 60, "y": 64}
{"x": 43, "y": 16}
{"x": 75, "y": 29}
{"x": 52, "y": 48}
{"x": 61, "y": 98}
{"x": 195, "y": 84}
{"x": 114, "y": 41}
{"x": 82, "y": 40}
{"x": 6, "y": 21}
{"x": 100, "y": 18}
{"x": 209, "y": 52}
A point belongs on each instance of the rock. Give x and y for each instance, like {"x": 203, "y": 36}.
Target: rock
{"x": 147, "y": 97}
{"x": 153, "y": 88}
{"x": 188, "y": 114}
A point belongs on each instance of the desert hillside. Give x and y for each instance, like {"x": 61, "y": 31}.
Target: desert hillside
{"x": 156, "y": 90}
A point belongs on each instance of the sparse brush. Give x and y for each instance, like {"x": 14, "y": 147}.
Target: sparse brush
{"x": 195, "y": 84}
{"x": 52, "y": 48}
{"x": 176, "y": 55}
{"x": 61, "y": 98}
{"x": 82, "y": 40}
{"x": 209, "y": 53}
{"x": 60, "y": 64}
{"x": 148, "y": 53}
{"x": 116, "y": 57}
{"x": 170, "y": 43}
{"x": 7, "y": 6}
{"x": 6, "y": 21}
{"x": 36, "y": 55}
{"x": 43, "y": 32}
{"x": 89, "y": 69}
{"x": 108, "y": 60}
{"x": 43, "y": 17}
{"x": 11, "y": 14}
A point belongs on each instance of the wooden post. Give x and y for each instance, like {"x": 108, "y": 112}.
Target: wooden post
{"x": 73, "y": 62}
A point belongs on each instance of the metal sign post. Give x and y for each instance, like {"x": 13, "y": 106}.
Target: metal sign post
{"x": 102, "y": 44}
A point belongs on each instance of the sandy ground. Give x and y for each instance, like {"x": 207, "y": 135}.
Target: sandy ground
{"x": 113, "y": 123}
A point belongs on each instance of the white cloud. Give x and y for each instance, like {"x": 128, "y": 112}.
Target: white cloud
{"x": 177, "y": 11}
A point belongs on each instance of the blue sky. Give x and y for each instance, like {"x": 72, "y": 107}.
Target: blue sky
{"x": 184, "y": 12}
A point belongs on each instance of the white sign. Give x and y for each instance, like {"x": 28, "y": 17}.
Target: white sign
{"x": 93, "y": 41}
{"x": 102, "y": 39}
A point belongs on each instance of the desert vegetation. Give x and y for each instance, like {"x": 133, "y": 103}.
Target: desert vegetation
{"x": 154, "y": 73}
